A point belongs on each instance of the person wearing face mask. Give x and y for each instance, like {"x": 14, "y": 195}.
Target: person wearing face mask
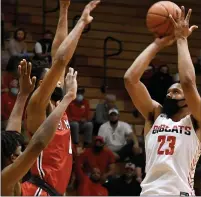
{"x": 125, "y": 185}
{"x": 79, "y": 118}
{"x": 101, "y": 112}
{"x": 172, "y": 130}
{"x": 119, "y": 136}
{"x": 42, "y": 50}
{"x": 94, "y": 157}
{"x": 8, "y": 101}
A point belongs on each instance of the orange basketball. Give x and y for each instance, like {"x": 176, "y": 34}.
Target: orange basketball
{"x": 158, "y": 21}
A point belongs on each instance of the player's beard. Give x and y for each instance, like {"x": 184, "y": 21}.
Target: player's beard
{"x": 57, "y": 95}
{"x": 171, "y": 107}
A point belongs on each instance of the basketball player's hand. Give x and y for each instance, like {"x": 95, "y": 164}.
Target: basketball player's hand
{"x": 181, "y": 24}
{"x": 27, "y": 84}
{"x": 165, "y": 41}
{"x": 71, "y": 83}
{"x": 65, "y": 2}
{"x": 86, "y": 17}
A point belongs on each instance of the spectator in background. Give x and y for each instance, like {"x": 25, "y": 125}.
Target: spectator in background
{"x": 101, "y": 112}
{"x": 79, "y": 118}
{"x": 8, "y": 101}
{"x": 197, "y": 64}
{"x": 162, "y": 80}
{"x": 42, "y": 50}
{"x": 197, "y": 178}
{"x": 119, "y": 136}
{"x": 125, "y": 185}
{"x": 99, "y": 156}
{"x": 148, "y": 74}
{"x": 10, "y": 74}
{"x": 17, "y": 45}
{"x": 89, "y": 185}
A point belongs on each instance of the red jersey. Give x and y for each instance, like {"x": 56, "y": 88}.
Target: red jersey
{"x": 54, "y": 164}
{"x": 7, "y": 77}
{"x": 90, "y": 159}
{"x": 77, "y": 111}
{"x": 86, "y": 186}
{"x": 7, "y": 104}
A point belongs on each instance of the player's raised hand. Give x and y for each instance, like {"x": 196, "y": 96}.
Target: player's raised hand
{"x": 71, "y": 83}
{"x": 27, "y": 84}
{"x": 86, "y": 17}
{"x": 181, "y": 24}
{"x": 165, "y": 41}
{"x": 65, "y": 2}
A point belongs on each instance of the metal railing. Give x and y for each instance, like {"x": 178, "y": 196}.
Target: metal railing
{"x": 107, "y": 55}
{"x": 48, "y": 11}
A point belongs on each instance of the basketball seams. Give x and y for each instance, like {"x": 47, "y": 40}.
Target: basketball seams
{"x": 154, "y": 27}
{"x": 158, "y": 21}
{"x": 170, "y": 23}
{"x": 156, "y": 14}
{"x": 165, "y": 9}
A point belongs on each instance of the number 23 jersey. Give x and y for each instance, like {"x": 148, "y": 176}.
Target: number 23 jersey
{"x": 172, "y": 151}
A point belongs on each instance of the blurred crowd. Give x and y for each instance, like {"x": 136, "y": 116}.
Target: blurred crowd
{"x": 109, "y": 154}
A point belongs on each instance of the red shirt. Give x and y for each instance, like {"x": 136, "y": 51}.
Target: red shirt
{"x": 54, "y": 164}
{"x": 7, "y": 104}
{"x": 87, "y": 187}
{"x": 7, "y": 77}
{"x": 76, "y": 111}
{"x": 100, "y": 160}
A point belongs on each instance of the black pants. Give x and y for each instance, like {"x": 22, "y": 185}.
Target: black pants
{"x": 126, "y": 151}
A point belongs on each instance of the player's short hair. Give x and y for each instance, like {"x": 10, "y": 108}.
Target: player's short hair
{"x": 13, "y": 63}
{"x": 39, "y": 73}
{"x": 10, "y": 140}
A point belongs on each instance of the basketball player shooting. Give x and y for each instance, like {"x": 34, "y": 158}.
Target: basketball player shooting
{"x": 16, "y": 164}
{"x": 172, "y": 131}
{"x": 54, "y": 164}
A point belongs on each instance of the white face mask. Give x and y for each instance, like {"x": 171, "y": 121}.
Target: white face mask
{"x": 14, "y": 91}
{"x": 79, "y": 97}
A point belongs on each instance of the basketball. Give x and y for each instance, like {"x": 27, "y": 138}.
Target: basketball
{"x": 158, "y": 21}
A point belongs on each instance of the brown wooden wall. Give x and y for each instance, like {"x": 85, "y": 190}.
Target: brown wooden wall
{"x": 121, "y": 19}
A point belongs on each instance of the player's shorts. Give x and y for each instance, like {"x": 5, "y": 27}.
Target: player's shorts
{"x": 29, "y": 189}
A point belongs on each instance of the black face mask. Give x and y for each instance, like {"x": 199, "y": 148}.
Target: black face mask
{"x": 171, "y": 107}
{"x": 57, "y": 95}
{"x": 113, "y": 122}
{"x": 98, "y": 149}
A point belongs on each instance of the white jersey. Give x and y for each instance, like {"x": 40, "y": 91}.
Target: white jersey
{"x": 172, "y": 152}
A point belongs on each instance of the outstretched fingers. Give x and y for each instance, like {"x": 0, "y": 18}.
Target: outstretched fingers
{"x": 187, "y": 19}
{"x": 75, "y": 75}
{"x": 182, "y": 12}
{"x": 172, "y": 20}
{"x": 29, "y": 68}
{"x": 93, "y": 4}
{"x": 33, "y": 80}
{"x": 193, "y": 27}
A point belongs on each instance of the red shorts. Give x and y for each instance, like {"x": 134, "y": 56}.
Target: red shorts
{"x": 29, "y": 189}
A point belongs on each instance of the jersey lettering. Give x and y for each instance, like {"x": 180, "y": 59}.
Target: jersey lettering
{"x": 186, "y": 130}
{"x": 162, "y": 139}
